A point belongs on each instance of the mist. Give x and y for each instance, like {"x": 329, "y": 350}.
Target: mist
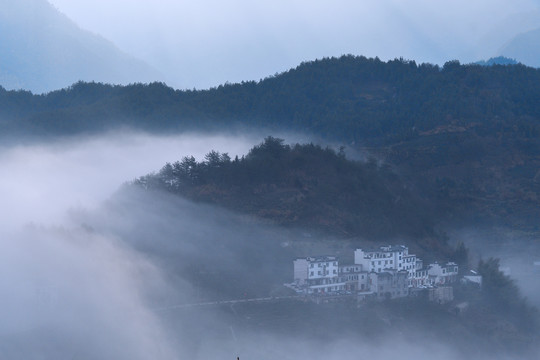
{"x": 208, "y": 43}
{"x": 66, "y": 292}
{"x": 41, "y": 181}
{"x": 518, "y": 250}
{"x": 94, "y": 268}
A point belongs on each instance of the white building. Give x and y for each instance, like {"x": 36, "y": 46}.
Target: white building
{"x": 380, "y": 272}
{"x": 389, "y": 257}
{"x": 318, "y": 274}
{"x": 421, "y": 278}
{"x": 442, "y": 274}
{"x": 386, "y": 257}
{"x": 353, "y": 277}
{"x": 397, "y": 258}
{"x": 472, "y": 277}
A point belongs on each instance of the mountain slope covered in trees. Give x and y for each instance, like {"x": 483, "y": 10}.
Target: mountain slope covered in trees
{"x": 467, "y": 137}
{"x": 350, "y": 98}
{"x": 306, "y": 187}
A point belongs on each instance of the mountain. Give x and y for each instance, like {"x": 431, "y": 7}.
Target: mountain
{"x": 464, "y": 137}
{"x": 43, "y": 50}
{"x": 524, "y": 47}
{"x": 302, "y": 186}
{"x": 499, "y": 60}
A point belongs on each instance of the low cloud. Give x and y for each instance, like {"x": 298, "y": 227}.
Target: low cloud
{"x": 88, "y": 271}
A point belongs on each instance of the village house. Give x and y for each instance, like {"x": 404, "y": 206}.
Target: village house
{"x": 389, "y": 257}
{"x": 318, "y": 274}
{"x": 442, "y": 274}
{"x": 384, "y": 273}
{"x": 389, "y": 284}
{"x": 472, "y": 277}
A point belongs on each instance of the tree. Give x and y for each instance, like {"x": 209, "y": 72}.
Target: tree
{"x": 461, "y": 256}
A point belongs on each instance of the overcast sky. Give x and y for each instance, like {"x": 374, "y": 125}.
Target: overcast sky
{"x": 207, "y": 42}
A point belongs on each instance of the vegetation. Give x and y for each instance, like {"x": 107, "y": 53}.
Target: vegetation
{"x": 349, "y": 98}
{"x": 503, "y": 295}
{"x": 304, "y": 186}
{"x": 499, "y": 60}
{"x": 466, "y": 138}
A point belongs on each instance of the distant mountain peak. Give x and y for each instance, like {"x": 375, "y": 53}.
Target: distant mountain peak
{"x": 499, "y": 60}
{"x": 524, "y": 47}
{"x": 43, "y": 50}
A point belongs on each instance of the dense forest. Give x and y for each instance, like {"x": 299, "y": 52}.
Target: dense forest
{"x": 306, "y": 186}
{"x": 467, "y": 137}
{"x": 348, "y": 98}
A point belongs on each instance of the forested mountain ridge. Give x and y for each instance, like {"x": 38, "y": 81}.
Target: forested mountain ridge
{"x": 350, "y": 98}
{"x": 306, "y": 187}
{"x": 466, "y": 136}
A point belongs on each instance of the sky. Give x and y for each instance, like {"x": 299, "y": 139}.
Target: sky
{"x": 206, "y": 43}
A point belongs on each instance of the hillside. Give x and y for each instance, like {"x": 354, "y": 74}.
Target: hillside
{"x": 43, "y": 50}
{"x": 348, "y": 98}
{"x": 305, "y": 187}
{"x": 464, "y": 137}
{"x": 310, "y": 189}
{"x": 222, "y": 255}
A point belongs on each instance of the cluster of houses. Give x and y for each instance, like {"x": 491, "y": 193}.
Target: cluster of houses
{"x": 385, "y": 273}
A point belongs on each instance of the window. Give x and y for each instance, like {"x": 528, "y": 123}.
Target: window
{"x": 311, "y": 265}
{"x": 335, "y": 272}
{"x": 311, "y": 273}
{"x": 319, "y": 272}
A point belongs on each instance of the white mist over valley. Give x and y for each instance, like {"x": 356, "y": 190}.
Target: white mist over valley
{"x": 269, "y": 180}
{"x": 89, "y": 274}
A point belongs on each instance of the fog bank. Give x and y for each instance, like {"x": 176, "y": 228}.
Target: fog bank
{"x": 93, "y": 270}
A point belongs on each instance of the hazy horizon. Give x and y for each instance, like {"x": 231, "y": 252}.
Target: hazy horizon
{"x": 208, "y": 43}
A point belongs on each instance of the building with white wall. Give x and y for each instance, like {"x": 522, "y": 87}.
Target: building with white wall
{"x": 440, "y": 274}
{"x": 395, "y": 257}
{"x": 352, "y": 276}
{"x": 318, "y": 274}
{"x": 380, "y": 272}
{"x": 472, "y": 277}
